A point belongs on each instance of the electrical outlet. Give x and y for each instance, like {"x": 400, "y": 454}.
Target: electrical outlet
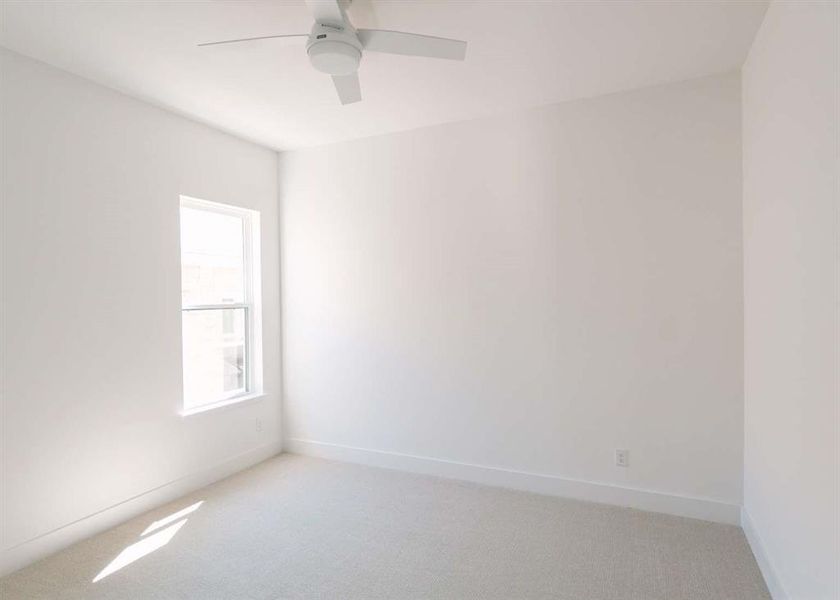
{"x": 622, "y": 458}
{"x": 259, "y": 425}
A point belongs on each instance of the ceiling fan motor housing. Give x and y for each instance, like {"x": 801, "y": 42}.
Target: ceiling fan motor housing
{"x": 334, "y": 49}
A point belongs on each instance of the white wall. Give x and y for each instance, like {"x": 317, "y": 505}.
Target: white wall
{"x": 91, "y": 273}
{"x": 528, "y": 292}
{"x": 792, "y": 458}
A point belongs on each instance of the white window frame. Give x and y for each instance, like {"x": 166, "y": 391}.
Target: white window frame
{"x": 251, "y": 304}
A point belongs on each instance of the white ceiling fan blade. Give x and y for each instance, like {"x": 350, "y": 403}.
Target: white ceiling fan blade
{"x": 348, "y": 88}
{"x": 252, "y": 39}
{"x": 327, "y": 11}
{"x": 412, "y": 44}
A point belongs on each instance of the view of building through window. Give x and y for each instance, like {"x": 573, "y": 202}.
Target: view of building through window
{"x": 216, "y": 305}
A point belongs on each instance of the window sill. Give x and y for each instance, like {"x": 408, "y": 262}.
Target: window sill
{"x": 222, "y": 404}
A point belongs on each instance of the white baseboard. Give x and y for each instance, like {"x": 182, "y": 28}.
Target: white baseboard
{"x": 20, "y": 555}
{"x": 774, "y": 584}
{"x": 683, "y": 506}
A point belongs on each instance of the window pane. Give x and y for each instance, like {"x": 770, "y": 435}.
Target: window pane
{"x": 214, "y": 355}
{"x": 212, "y": 258}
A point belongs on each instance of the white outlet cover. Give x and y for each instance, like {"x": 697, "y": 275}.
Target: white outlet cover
{"x": 622, "y": 458}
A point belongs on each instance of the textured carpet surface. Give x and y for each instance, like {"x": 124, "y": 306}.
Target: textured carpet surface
{"x": 295, "y": 527}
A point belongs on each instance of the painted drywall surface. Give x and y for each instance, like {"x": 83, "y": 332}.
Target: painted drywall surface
{"x": 528, "y": 292}
{"x": 91, "y": 272}
{"x": 521, "y": 53}
{"x": 790, "y": 138}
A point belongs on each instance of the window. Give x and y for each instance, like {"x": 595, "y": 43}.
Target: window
{"x": 220, "y": 317}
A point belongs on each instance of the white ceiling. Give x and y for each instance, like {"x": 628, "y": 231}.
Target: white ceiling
{"x": 521, "y": 53}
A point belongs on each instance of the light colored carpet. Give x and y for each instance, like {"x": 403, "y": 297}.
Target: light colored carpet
{"x": 295, "y": 527}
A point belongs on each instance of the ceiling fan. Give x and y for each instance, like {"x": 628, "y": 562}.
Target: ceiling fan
{"x": 335, "y": 47}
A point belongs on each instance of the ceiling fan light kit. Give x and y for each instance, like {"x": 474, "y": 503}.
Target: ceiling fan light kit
{"x": 334, "y": 51}
{"x": 335, "y": 47}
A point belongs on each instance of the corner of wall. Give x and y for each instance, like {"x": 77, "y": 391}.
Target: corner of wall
{"x": 774, "y": 584}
